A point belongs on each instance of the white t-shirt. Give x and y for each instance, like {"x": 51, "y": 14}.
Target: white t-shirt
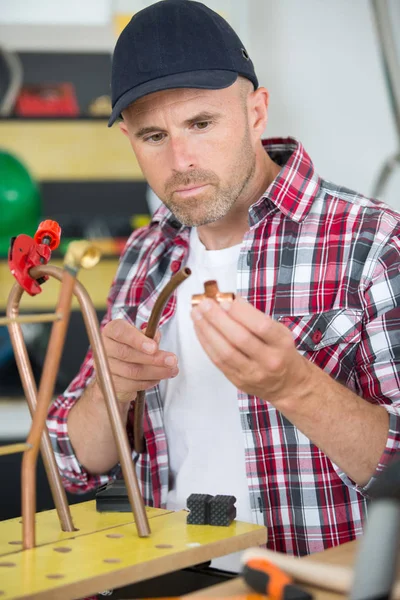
{"x": 201, "y": 413}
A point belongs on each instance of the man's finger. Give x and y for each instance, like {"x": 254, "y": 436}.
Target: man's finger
{"x": 126, "y": 353}
{"x": 122, "y": 331}
{"x": 223, "y": 354}
{"x": 236, "y": 333}
{"x": 263, "y": 326}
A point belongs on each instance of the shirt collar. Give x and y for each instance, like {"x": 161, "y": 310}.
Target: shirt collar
{"x": 296, "y": 186}
{"x": 293, "y": 190}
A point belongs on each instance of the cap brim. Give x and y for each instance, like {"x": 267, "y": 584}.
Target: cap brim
{"x": 209, "y": 80}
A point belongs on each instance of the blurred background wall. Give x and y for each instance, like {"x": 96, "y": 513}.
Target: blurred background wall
{"x": 320, "y": 61}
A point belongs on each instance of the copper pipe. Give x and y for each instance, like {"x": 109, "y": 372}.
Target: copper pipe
{"x": 107, "y": 387}
{"x": 40, "y": 318}
{"x": 14, "y": 448}
{"x": 46, "y": 389}
{"x": 78, "y": 254}
{"x": 150, "y": 332}
{"x": 211, "y": 291}
{"x": 29, "y": 386}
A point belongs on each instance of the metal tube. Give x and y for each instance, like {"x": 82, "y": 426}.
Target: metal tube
{"x": 29, "y": 386}
{"x": 150, "y": 332}
{"x": 386, "y": 32}
{"x": 40, "y": 318}
{"x": 107, "y": 388}
{"x": 14, "y": 448}
{"x": 46, "y": 389}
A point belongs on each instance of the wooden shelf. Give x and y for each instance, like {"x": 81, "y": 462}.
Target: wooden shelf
{"x": 70, "y": 149}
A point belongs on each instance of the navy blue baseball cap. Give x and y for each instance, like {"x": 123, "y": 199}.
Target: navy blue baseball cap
{"x": 175, "y": 44}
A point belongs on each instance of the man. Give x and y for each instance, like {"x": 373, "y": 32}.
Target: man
{"x": 288, "y": 398}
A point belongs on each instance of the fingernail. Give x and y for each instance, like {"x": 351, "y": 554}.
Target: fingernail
{"x": 148, "y": 347}
{"x": 225, "y": 305}
{"x": 196, "y": 314}
{"x": 205, "y": 305}
{"x": 170, "y": 361}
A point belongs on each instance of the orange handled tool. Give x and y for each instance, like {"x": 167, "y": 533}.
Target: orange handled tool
{"x": 266, "y": 578}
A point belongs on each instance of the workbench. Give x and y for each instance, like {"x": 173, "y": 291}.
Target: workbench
{"x": 105, "y": 552}
{"x": 344, "y": 556}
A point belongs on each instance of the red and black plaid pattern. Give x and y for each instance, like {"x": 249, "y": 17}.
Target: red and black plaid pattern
{"x": 325, "y": 262}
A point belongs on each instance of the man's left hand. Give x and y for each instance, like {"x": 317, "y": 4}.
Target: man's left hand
{"x": 256, "y": 353}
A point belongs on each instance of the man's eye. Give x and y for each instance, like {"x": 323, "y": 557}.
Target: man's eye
{"x": 202, "y": 124}
{"x": 156, "y": 137}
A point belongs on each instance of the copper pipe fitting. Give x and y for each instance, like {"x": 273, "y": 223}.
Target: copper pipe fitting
{"x": 211, "y": 291}
{"x": 150, "y": 332}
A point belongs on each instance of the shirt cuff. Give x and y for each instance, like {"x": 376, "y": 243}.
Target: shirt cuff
{"x": 76, "y": 479}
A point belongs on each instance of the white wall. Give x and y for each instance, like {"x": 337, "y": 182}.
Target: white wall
{"x": 320, "y": 61}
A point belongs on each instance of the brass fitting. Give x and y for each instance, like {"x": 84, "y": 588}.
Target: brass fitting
{"x": 81, "y": 254}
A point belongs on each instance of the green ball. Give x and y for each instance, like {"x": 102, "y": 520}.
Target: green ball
{"x": 20, "y": 201}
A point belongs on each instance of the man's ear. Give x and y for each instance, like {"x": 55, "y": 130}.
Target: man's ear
{"x": 258, "y": 111}
{"x": 123, "y": 128}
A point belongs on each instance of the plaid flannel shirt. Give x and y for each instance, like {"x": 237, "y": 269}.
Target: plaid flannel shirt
{"x": 324, "y": 261}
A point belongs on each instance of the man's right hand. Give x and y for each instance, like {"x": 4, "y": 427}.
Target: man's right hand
{"x": 136, "y": 362}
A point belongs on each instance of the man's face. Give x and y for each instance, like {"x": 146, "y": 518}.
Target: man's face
{"x": 195, "y": 149}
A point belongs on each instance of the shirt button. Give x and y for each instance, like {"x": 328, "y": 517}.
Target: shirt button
{"x": 317, "y": 336}
{"x": 175, "y": 266}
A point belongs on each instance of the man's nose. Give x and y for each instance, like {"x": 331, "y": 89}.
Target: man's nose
{"x": 182, "y": 154}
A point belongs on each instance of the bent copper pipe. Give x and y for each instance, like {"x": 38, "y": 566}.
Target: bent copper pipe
{"x": 30, "y": 391}
{"x": 45, "y": 393}
{"x": 150, "y": 332}
{"x": 107, "y": 388}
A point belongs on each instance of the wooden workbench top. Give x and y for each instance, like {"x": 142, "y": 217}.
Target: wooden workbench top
{"x": 343, "y": 556}
{"x": 105, "y": 552}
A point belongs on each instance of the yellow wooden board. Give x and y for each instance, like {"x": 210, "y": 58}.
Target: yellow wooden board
{"x": 112, "y": 558}
{"x": 97, "y": 281}
{"x": 70, "y": 149}
{"x": 85, "y": 518}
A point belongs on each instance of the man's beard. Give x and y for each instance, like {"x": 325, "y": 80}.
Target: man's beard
{"x": 215, "y": 201}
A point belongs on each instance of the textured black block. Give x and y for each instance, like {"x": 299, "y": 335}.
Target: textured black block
{"x": 113, "y": 497}
{"x": 222, "y": 510}
{"x": 198, "y": 504}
